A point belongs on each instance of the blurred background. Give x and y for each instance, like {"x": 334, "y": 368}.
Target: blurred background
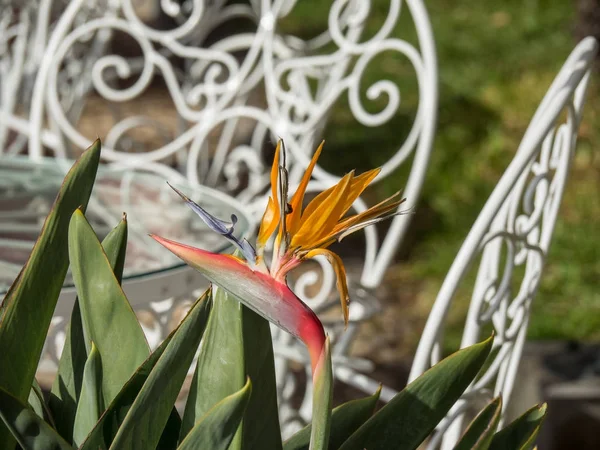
{"x": 496, "y": 60}
{"x": 495, "y": 63}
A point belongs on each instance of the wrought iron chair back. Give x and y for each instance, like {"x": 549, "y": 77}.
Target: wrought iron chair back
{"x": 231, "y": 95}
{"x": 511, "y": 238}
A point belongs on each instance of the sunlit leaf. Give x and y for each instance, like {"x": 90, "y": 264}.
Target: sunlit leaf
{"x": 31, "y": 300}
{"x": 90, "y": 404}
{"x": 237, "y": 345}
{"x": 67, "y": 383}
{"x": 415, "y": 411}
{"x": 322, "y": 398}
{"x": 106, "y": 428}
{"x": 106, "y": 314}
{"x": 151, "y": 409}
{"x": 216, "y": 429}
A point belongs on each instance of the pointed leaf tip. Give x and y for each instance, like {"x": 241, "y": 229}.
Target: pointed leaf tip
{"x": 107, "y": 316}
{"x": 153, "y": 405}
{"x": 480, "y": 432}
{"x": 522, "y": 432}
{"x": 217, "y": 428}
{"x": 41, "y": 279}
{"x": 428, "y": 398}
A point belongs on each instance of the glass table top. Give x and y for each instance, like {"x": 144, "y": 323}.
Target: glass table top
{"x": 28, "y": 190}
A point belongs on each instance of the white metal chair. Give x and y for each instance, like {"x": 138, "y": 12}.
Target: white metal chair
{"x": 213, "y": 95}
{"x": 510, "y": 238}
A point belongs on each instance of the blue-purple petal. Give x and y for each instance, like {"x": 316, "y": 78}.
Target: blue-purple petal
{"x": 221, "y": 227}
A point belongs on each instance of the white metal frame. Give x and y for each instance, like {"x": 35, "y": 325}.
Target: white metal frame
{"x": 511, "y": 238}
{"x": 46, "y": 83}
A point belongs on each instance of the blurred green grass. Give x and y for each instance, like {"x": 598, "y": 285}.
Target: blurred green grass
{"x": 495, "y": 63}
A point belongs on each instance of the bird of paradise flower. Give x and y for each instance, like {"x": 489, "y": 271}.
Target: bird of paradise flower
{"x": 302, "y": 233}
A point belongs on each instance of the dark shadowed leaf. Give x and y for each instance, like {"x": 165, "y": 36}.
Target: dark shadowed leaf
{"x": 217, "y": 428}
{"x": 36, "y": 399}
{"x": 413, "y": 413}
{"x": 480, "y": 431}
{"x": 67, "y": 384}
{"x": 521, "y": 434}
{"x": 30, "y": 431}
{"x": 38, "y": 403}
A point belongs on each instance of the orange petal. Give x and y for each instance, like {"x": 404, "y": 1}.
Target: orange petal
{"x": 359, "y": 184}
{"x": 379, "y": 209}
{"x": 361, "y": 180}
{"x": 340, "y": 273}
{"x": 268, "y": 224}
{"x": 324, "y": 217}
{"x": 270, "y": 218}
{"x": 275, "y": 171}
{"x": 383, "y": 209}
{"x": 293, "y": 219}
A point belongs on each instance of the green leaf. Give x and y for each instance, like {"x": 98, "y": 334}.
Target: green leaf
{"x": 36, "y": 399}
{"x": 237, "y": 345}
{"x": 413, "y": 413}
{"x": 345, "y": 420}
{"x": 90, "y": 404}
{"x": 147, "y": 417}
{"x": 260, "y": 427}
{"x": 32, "y": 298}
{"x": 219, "y": 425}
{"x": 67, "y": 383}
{"x": 107, "y": 317}
{"x": 9, "y": 293}
{"x": 220, "y": 367}
{"x": 30, "y": 431}
{"x": 170, "y": 435}
{"x": 322, "y": 397}
{"x": 115, "y": 248}
{"x": 106, "y": 428}
{"x": 480, "y": 431}
{"x": 521, "y": 434}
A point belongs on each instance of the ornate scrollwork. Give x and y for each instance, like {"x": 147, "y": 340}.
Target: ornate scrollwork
{"x": 511, "y": 238}
{"x": 230, "y": 96}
